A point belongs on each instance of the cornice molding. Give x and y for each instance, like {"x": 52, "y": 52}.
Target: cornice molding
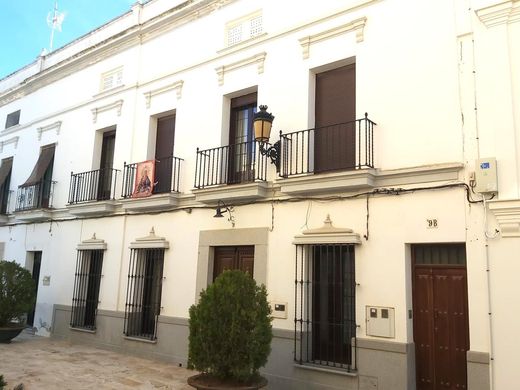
{"x": 13, "y": 140}
{"x": 507, "y": 214}
{"x": 117, "y": 105}
{"x": 502, "y": 13}
{"x": 258, "y": 59}
{"x": 177, "y": 85}
{"x": 357, "y": 25}
{"x": 53, "y": 126}
{"x": 134, "y": 35}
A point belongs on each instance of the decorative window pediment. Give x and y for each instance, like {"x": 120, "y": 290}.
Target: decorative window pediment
{"x": 327, "y": 234}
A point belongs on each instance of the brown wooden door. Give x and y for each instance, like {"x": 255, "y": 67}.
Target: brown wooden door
{"x": 441, "y": 333}
{"x": 234, "y": 257}
{"x": 164, "y": 154}
{"x": 106, "y": 164}
{"x": 241, "y": 148}
{"x": 335, "y": 115}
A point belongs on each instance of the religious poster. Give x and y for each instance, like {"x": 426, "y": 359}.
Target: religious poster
{"x": 144, "y": 179}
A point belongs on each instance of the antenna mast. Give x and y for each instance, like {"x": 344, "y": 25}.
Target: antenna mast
{"x": 54, "y": 21}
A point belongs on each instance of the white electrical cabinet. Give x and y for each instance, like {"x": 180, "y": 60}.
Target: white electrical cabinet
{"x": 486, "y": 175}
{"x": 380, "y": 321}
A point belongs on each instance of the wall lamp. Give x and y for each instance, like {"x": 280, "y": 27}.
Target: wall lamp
{"x": 223, "y": 208}
{"x": 262, "y": 123}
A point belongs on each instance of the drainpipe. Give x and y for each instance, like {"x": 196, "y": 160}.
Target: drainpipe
{"x": 490, "y": 308}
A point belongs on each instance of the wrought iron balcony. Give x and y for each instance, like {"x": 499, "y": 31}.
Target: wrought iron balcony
{"x": 36, "y": 196}
{"x": 167, "y": 176}
{"x": 231, "y": 164}
{"x": 96, "y": 185}
{"x": 343, "y": 146}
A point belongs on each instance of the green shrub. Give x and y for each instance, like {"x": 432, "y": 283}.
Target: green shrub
{"x": 17, "y": 292}
{"x": 230, "y": 328}
{"x": 2, "y": 383}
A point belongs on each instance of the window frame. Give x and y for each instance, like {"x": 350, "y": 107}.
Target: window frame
{"x": 87, "y": 286}
{"x": 247, "y": 30}
{"x": 15, "y": 122}
{"x": 143, "y": 324}
{"x": 308, "y": 326}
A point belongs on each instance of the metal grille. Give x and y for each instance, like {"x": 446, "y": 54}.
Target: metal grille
{"x": 99, "y": 184}
{"x": 439, "y": 254}
{"x": 312, "y": 150}
{"x": 231, "y": 164}
{"x": 86, "y": 289}
{"x": 143, "y": 293}
{"x": 325, "y": 310}
{"x": 255, "y": 26}
{"x": 234, "y": 34}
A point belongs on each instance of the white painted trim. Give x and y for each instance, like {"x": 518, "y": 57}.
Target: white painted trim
{"x": 257, "y": 59}
{"x": 13, "y": 140}
{"x": 53, "y": 126}
{"x": 117, "y": 105}
{"x": 177, "y": 85}
{"x": 507, "y": 213}
{"x": 357, "y": 25}
{"x": 502, "y": 13}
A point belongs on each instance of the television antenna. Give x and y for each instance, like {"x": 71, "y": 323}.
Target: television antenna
{"x": 54, "y": 21}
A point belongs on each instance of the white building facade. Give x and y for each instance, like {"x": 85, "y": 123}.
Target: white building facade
{"x": 396, "y": 123}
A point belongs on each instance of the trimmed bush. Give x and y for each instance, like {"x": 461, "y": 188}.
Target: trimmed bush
{"x": 2, "y": 383}
{"x": 230, "y": 328}
{"x": 17, "y": 292}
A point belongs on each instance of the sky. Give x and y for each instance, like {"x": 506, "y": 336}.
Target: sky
{"x": 24, "y": 31}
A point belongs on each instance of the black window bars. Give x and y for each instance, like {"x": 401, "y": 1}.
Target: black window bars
{"x": 86, "y": 289}
{"x": 325, "y": 310}
{"x": 143, "y": 293}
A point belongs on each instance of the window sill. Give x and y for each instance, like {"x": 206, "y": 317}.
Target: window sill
{"x": 242, "y": 44}
{"x": 140, "y": 340}
{"x": 82, "y": 330}
{"x": 337, "y": 371}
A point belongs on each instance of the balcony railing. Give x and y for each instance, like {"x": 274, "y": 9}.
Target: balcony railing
{"x": 96, "y": 185}
{"x": 231, "y": 164}
{"x": 37, "y": 196}
{"x": 167, "y": 176}
{"x": 343, "y": 146}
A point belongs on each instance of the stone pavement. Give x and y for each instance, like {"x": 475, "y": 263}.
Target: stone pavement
{"x": 44, "y": 363}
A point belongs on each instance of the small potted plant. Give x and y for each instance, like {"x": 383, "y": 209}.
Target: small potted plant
{"x": 230, "y": 334}
{"x": 17, "y": 296}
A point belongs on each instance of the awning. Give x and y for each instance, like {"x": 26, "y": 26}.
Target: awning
{"x": 46, "y": 157}
{"x": 5, "y": 170}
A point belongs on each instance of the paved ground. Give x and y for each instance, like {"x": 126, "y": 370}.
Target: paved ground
{"x": 43, "y": 363}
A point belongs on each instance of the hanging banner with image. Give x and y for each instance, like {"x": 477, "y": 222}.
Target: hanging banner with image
{"x": 144, "y": 179}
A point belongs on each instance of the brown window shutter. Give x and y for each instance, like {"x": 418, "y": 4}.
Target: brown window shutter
{"x": 45, "y": 159}
{"x": 5, "y": 169}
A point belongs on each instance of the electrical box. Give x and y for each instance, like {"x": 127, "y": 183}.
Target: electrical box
{"x": 486, "y": 175}
{"x": 279, "y": 309}
{"x": 380, "y": 321}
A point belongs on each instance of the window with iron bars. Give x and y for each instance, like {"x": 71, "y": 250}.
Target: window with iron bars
{"x": 143, "y": 293}
{"x": 325, "y": 310}
{"x": 86, "y": 289}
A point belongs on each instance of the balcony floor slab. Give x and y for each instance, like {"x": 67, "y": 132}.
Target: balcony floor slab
{"x": 151, "y": 203}
{"x": 93, "y": 208}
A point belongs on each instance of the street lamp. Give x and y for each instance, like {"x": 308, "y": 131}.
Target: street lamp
{"x": 262, "y": 123}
